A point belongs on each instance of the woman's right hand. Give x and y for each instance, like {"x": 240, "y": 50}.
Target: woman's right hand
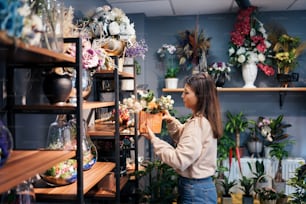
{"x": 167, "y": 116}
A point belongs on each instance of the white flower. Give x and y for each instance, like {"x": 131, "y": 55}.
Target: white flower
{"x": 241, "y": 59}
{"x": 261, "y": 57}
{"x": 114, "y": 28}
{"x": 241, "y": 50}
{"x": 231, "y": 51}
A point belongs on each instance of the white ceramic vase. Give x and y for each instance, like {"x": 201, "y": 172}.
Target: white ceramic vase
{"x": 171, "y": 83}
{"x": 249, "y": 74}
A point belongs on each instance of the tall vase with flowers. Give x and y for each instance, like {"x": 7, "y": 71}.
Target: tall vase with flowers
{"x": 166, "y": 55}
{"x": 219, "y": 71}
{"x": 249, "y": 47}
{"x": 137, "y": 49}
{"x": 286, "y": 50}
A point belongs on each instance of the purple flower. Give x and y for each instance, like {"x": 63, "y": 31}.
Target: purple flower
{"x": 138, "y": 49}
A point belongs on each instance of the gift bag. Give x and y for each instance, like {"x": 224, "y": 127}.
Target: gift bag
{"x": 154, "y": 121}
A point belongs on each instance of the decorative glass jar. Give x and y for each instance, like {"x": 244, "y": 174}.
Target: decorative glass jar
{"x": 6, "y": 143}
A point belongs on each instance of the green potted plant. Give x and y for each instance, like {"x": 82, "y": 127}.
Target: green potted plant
{"x": 267, "y": 195}
{"x": 247, "y": 188}
{"x": 298, "y": 181}
{"x": 279, "y": 152}
{"x": 225, "y": 143}
{"x": 227, "y": 186}
{"x": 236, "y": 124}
{"x": 162, "y": 187}
{"x": 259, "y": 174}
{"x": 166, "y": 55}
{"x": 254, "y": 144}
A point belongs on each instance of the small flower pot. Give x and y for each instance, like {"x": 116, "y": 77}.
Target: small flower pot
{"x": 171, "y": 83}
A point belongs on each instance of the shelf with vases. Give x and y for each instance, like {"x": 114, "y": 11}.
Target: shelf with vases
{"x": 69, "y": 192}
{"x": 281, "y": 90}
{"x": 31, "y": 163}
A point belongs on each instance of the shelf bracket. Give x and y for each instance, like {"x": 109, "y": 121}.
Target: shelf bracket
{"x": 282, "y": 95}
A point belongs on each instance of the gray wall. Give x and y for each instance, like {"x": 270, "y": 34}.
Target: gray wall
{"x": 160, "y": 30}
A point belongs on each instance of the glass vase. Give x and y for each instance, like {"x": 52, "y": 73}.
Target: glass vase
{"x": 90, "y": 153}
{"x": 23, "y": 193}
{"x": 53, "y": 17}
{"x": 6, "y": 143}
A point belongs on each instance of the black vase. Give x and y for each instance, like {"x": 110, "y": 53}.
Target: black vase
{"x": 57, "y": 87}
{"x": 220, "y": 81}
{"x": 286, "y": 79}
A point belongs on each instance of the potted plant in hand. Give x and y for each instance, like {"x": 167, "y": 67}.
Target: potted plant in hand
{"x": 227, "y": 186}
{"x": 247, "y": 188}
{"x": 236, "y": 124}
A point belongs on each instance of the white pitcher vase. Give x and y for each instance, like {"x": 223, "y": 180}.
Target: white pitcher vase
{"x": 249, "y": 74}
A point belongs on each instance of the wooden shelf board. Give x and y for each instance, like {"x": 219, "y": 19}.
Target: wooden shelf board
{"x": 92, "y": 105}
{"x": 110, "y": 74}
{"x": 259, "y": 89}
{"x": 68, "y": 192}
{"x": 66, "y": 107}
{"x": 101, "y": 193}
{"x": 27, "y": 53}
{"x": 31, "y": 163}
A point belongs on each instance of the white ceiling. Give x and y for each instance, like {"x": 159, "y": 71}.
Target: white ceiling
{"x": 192, "y": 7}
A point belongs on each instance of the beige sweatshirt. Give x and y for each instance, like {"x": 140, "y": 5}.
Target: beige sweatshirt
{"x": 195, "y": 155}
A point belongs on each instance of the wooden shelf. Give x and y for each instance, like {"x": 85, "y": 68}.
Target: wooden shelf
{"x": 101, "y": 193}
{"x": 109, "y": 74}
{"x": 259, "y": 89}
{"x": 62, "y": 108}
{"x": 68, "y": 192}
{"x": 10, "y": 48}
{"x": 31, "y": 163}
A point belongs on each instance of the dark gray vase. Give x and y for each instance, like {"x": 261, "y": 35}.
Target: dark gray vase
{"x": 247, "y": 200}
{"x": 57, "y": 87}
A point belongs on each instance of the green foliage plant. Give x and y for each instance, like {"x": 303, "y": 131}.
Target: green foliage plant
{"x": 298, "y": 181}
{"x": 227, "y": 186}
{"x": 163, "y": 183}
{"x": 236, "y": 123}
{"x": 171, "y": 72}
{"x": 246, "y": 185}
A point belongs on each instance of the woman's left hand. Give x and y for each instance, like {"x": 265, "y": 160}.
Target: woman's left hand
{"x": 150, "y": 134}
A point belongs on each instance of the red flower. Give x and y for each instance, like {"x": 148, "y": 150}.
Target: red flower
{"x": 268, "y": 70}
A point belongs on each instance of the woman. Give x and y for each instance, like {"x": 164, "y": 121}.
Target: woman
{"x": 195, "y": 153}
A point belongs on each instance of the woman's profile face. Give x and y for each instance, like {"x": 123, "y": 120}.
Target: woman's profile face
{"x": 189, "y": 98}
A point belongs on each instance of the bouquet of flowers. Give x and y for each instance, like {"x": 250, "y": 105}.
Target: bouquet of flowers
{"x": 17, "y": 20}
{"x": 286, "y": 51}
{"x": 137, "y": 49}
{"x": 109, "y": 22}
{"x": 167, "y": 53}
{"x": 217, "y": 69}
{"x": 249, "y": 42}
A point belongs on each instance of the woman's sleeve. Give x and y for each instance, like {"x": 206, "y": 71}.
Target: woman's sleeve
{"x": 174, "y": 129}
{"x": 188, "y": 148}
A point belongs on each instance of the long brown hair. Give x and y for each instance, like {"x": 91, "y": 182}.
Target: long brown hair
{"x": 208, "y": 102}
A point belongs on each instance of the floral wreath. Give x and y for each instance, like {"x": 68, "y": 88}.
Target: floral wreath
{"x": 249, "y": 42}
